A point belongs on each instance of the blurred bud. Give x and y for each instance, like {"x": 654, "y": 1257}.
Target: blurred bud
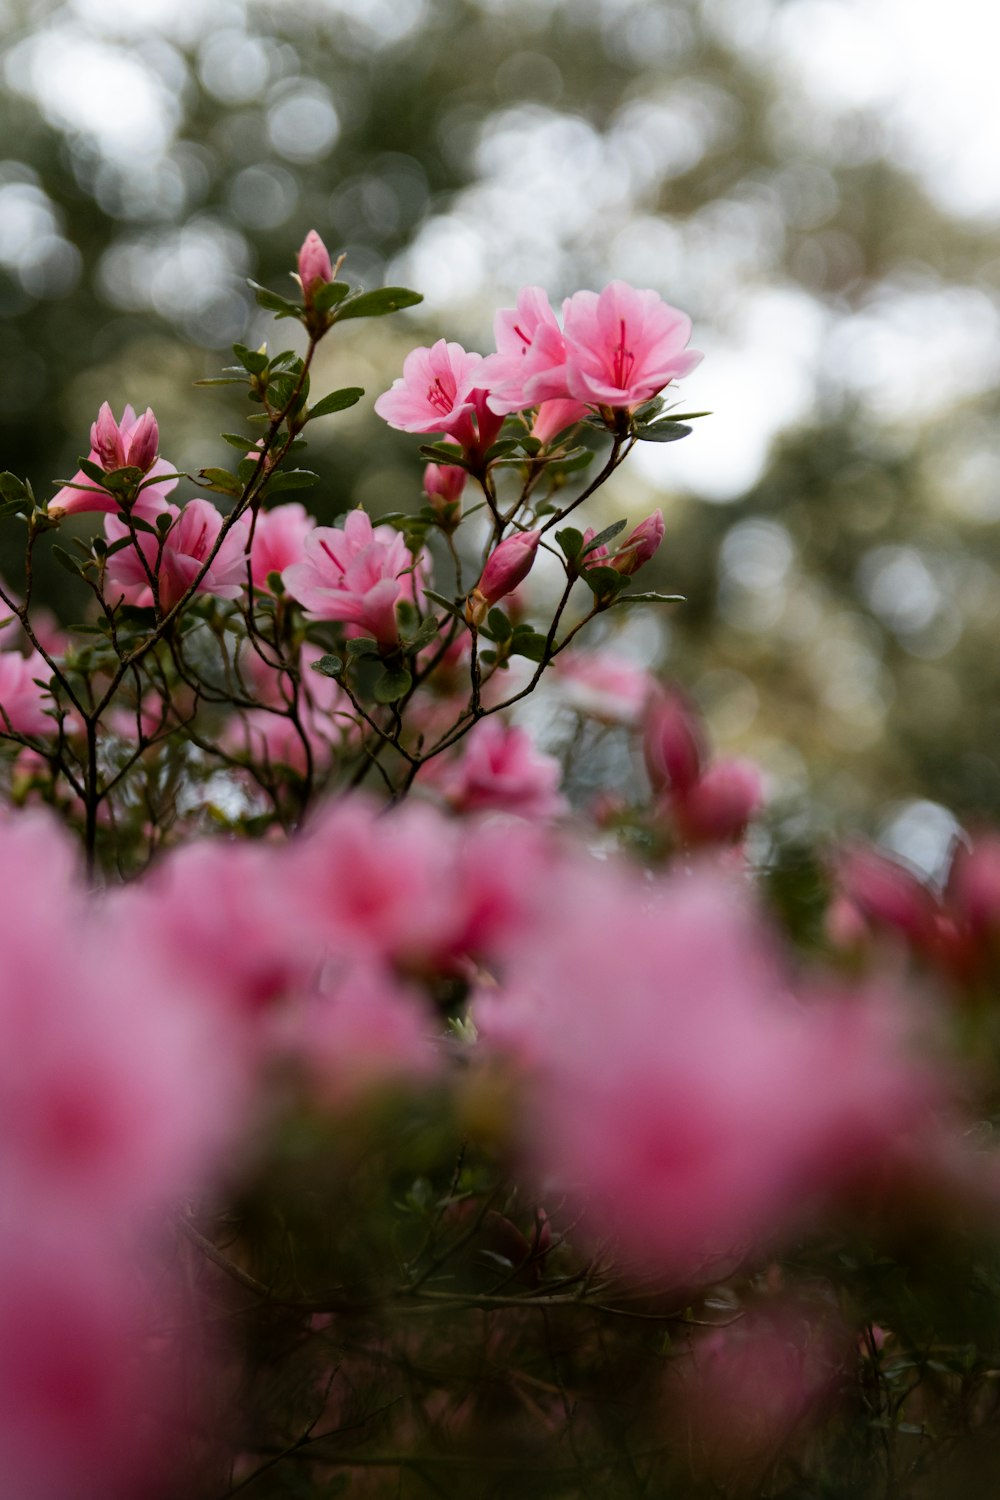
{"x": 443, "y": 486}
{"x": 106, "y": 440}
{"x": 507, "y": 565}
{"x": 673, "y": 742}
{"x": 641, "y": 545}
{"x": 720, "y": 804}
{"x": 887, "y": 895}
{"x": 974, "y": 885}
{"x": 315, "y": 267}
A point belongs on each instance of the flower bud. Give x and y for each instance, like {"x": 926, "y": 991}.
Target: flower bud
{"x": 315, "y": 268}
{"x": 640, "y": 546}
{"x": 673, "y": 743}
{"x": 720, "y": 804}
{"x": 106, "y": 440}
{"x": 507, "y": 565}
{"x": 443, "y": 486}
{"x": 144, "y": 443}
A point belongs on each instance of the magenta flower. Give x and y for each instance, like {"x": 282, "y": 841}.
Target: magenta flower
{"x": 132, "y": 442}
{"x": 530, "y": 363}
{"x": 356, "y": 573}
{"x": 442, "y": 389}
{"x": 278, "y": 541}
{"x": 185, "y": 549}
{"x": 623, "y": 345}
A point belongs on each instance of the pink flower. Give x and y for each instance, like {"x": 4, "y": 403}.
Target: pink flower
{"x": 278, "y": 541}
{"x": 443, "y": 486}
{"x": 185, "y": 548}
{"x": 25, "y": 708}
{"x": 530, "y": 363}
{"x": 132, "y": 442}
{"x": 441, "y": 389}
{"x": 603, "y": 685}
{"x": 507, "y": 566}
{"x": 355, "y": 573}
{"x": 553, "y": 417}
{"x": 500, "y": 771}
{"x": 623, "y": 346}
{"x": 315, "y": 268}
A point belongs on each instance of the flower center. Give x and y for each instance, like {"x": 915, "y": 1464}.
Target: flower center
{"x": 624, "y": 360}
{"x": 438, "y": 397}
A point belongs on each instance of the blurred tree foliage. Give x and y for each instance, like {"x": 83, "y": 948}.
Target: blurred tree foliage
{"x": 843, "y": 611}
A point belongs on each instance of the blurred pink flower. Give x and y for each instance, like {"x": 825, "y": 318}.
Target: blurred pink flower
{"x": 115, "y": 445}
{"x": 278, "y": 541}
{"x": 185, "y": 548}
{"x": 355, "y": 573}
{"x": 717, "y": 807}
{"x": 25, "y": 708}
{"x": 499, "y": 770}
{"x": 623, "y": 346}
{"x": 673, "y": 742}
{"x": 603, "y": 685}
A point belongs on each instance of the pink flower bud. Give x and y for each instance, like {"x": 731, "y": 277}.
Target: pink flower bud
{"x": 315, "y": 267}
{"x": 673, "y": 743}
{"x": 641, "y": 545}
{"x": 144, "y": 443}
{"x": 443, "y": 486}
{"x": 507, "y": 565}
{"x": 106, "y": 440}
{"x": 720, "y": 804}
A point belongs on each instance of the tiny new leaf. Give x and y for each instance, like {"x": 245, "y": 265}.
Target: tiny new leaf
{"x": 328, "y": 666}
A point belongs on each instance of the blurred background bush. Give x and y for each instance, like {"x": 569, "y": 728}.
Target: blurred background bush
{"x": 817, "y": 182}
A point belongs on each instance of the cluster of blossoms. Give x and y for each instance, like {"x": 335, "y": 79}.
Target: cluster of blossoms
{"x": 450, "y": 1051}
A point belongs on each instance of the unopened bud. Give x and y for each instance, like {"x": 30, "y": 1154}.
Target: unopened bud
{"x": 106, "y": 440}
{"x": 144, "y": 444}
{"x": 720, "y": 804}
{"x": 507, "y": 565}
{"x": 315, "y": 267}
{"x": 673, "y": 743}
{"x": 640, "y": 546}
{"x": 443, "y": 486}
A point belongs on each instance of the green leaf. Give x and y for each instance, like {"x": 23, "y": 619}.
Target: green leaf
{"x": 662, "y": 432}
{"x": 329, "y": 294}
{"x": 246, "y": 471}
{"x": 274, "y": 303}
{"x": 119, "y": 546}
{"x": 393, "y": 683}
{"x": 570, "y": 540}
{"x": 386, "y": 299}
{"x": 630, "y": 598}
{"x": 577, "y": 458}
{"x": 502, "y": 448}
{"x": 444, "y": 453}
{"x": 362, "y": 645}
{"x": 136, "y": 522}
{"x": 528, "y": 643}
{"x": 425, "y": 633}
{"x": 328, "y": 666}
{"x": 221, "y": 380}
{"x": 281, "y": 389}
{"x": 500, "y": 626}
{"x": 448, "y": 604}
{"x": 12, "y": 507}
{"x": 337, "y": 401}
{"x": 603, "y": 582}
{"x": 158, "y": 479}
{"x": 66, "y": 560}
{"x": 291, "y": 479}
{"x": 12, "y": 488}
{"x": 237, "y": 440}
{"x": 251, "y": 359}
{"x": 603, "y": 537}
{"x": 120, "y": 481}
{"x": 93, "y": 471}
{"x": 221, "y": 481}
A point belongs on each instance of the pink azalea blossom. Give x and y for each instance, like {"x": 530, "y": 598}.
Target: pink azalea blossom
{"x": 529, "y": 366}
{"x": 554, "y": 416}
{"x": 623, "y": 346}
{"x": 278, "y": 541}
{"x": 442, "y": 389}
{"x": 355, "y": 573}
{"x": 499, "y": 770}
{"x": 186, "y": 547}
{"x": 718, "y": 806}
{"x": 25, "y": 708}
{"x": 115, "y": 445}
